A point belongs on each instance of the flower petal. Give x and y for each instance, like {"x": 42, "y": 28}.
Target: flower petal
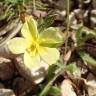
{"x": 29, "y": 29}
{"x": 32, "y": 62}
{"x": 36, "y": 66}
{"x": 17, "y": 45}
{"x": 49, "y": 55}
{"x": 51, "y": 37}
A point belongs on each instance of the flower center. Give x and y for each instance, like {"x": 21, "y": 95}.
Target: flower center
{"x": 33, "y": 48}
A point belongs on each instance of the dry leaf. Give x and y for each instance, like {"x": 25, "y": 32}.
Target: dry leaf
{"x": 67, "y": 56}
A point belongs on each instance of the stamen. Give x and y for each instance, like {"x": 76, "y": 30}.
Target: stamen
{"x": 33, "y": 48}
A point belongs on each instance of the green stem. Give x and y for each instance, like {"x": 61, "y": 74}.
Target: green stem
{"x": 34, "y": 3}
{"x": 49, "y": 85}
{"x": 68, "y": 26}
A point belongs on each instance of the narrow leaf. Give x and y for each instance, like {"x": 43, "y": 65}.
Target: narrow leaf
{"x": 54, "y": 91}
{"x": 79, "y": 35}
{"x": 87, "y": 58}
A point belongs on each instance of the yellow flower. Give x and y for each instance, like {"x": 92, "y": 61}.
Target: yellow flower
{"x": 38, "y": 48}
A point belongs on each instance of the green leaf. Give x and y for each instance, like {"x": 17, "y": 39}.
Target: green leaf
{"x": 45, "y": 23}
{"x": 14, "y": 1}
{"x": 87, "y": 58}
{"x": 84, "y": 34}
{"x": 54, "y": 91}
{"x": 79, "y": 35}
{"x": 51, "y": 72}
{"x": 61, "y": 65}
{"x": 71, "y": 68}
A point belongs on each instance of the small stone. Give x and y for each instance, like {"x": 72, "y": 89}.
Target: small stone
{"x": 86, "y": 1}
{"x": 39, "y": 14}
{"x": 93, "y": 18}
{"x": 6, "y": 92}
{"x": 94, "y": 4}
{"x": 91, "y": 84}
{"x": 67, "y": 88}
{"x": 1, "y": 85}
{"x": 93, "y": 12}
{"x": 6, "y": 69}
{"x": 20, "y": 85}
